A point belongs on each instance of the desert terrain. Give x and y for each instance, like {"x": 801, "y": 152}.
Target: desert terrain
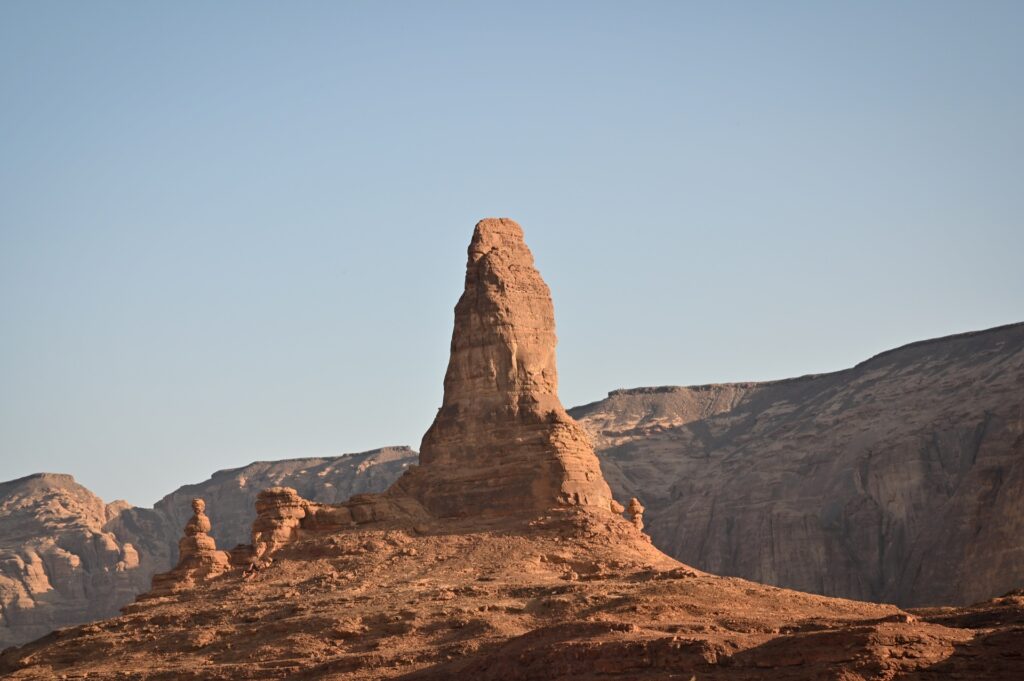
{"x": 505, "y": 554}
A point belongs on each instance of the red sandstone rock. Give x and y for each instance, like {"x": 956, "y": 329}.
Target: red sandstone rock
{"x": 381, "y": 602}
{"x": 502, "y": 444}
{"x": 636, "y": 511}
{"x": 279, "y": 512}
{"x": 648, "y": 441}
{"x": 561, "y": 588}
{"x": 198, "y": 557}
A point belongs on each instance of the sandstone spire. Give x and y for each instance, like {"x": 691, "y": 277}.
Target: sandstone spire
{"x": 198, "y": 557}
{"x": 502, "y": 443}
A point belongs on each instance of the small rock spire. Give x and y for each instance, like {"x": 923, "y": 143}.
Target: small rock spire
{"x": 198, "y": 557}
{"x": 636, "y": 511}
{"x": 279, "y": 514}
{"x": 197, "y": 550}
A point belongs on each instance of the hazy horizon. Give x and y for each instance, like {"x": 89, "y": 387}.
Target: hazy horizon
{"x": 236, "y": 232}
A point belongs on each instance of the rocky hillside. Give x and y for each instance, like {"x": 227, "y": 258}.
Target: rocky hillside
{"x": 900, "y": 480}
{"x": 67, "y": 558}
{"x": 503, "y": 556}
{"x": 550, "y": 601}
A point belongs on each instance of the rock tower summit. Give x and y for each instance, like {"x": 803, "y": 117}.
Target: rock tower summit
{"x": 501, "y": 442}
{"x": 501, "y": 448}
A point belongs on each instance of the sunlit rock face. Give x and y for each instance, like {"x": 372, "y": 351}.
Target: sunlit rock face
{"x": 198, "y": 557}
{"x": 501, "y": 442}
{"x": 66, "y": 557}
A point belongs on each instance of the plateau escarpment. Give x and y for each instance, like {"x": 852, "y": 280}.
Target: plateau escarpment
{"x": 539, "y": 577}
{"x": 899, "y": 480}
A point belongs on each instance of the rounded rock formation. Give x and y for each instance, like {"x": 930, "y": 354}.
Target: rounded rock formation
{"x": 636, "y": 512}
{"x": 279, "y": 512}
{"x": 198, "y": 559}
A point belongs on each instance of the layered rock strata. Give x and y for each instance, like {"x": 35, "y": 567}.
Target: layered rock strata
{"x": 199, "y": 560}
{"x": 898, "y": 480}
{"x": 636, "y": 513}
{"x": 502, "y": 446}
{"x": 501, "y": 443}
{"x": 558, "y": 586}
{"x": 283, "y": 517}
{"x": 279, "y": 512}
{"x": 60, "y": 563}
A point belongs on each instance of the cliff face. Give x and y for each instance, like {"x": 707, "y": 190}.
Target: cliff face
{"x": 59, "y": 563}
{"x": 900, "y": 480}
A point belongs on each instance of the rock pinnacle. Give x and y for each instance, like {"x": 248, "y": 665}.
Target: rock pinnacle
{"x": 501, "y": 442}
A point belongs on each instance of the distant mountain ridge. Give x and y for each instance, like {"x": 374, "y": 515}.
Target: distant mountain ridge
{"x": 60, "y": 563}
{"x": 900, "y": 479}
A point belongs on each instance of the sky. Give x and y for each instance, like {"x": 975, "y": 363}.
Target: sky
{"x": 236, "y": 231}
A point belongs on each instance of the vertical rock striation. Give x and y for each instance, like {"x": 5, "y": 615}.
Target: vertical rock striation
{"x": 501, "y": 442}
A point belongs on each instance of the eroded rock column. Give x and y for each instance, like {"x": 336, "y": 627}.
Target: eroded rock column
{"x": 198, "y": 556}
{"x": 501, "y": 442}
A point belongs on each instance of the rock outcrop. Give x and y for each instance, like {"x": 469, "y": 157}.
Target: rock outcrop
{"x": 636, "y": 513}
{"x": 327, "y": 480}
{"x": 198, "y": 557}
{"x": 59, "y": 562}
{"x": 553, "y": 603}
{"x": 67, "y": 558}
{"x": 502, "y": 446}
{"x": 899, "y": 480}
{"x": 279, "y": 512}
{"x": 501, "y": 443}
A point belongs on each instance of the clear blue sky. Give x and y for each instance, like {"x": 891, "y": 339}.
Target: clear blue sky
{"x": 236, "y": 231}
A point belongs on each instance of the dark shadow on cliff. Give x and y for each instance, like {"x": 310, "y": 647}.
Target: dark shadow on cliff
{"x": 991, "y": 655}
